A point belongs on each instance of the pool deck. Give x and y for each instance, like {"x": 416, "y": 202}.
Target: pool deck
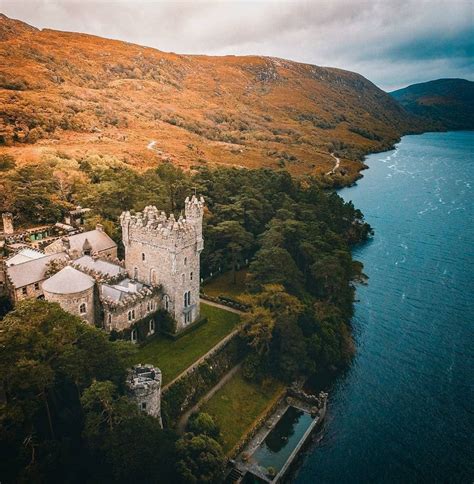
{"x": 245, "y": 463}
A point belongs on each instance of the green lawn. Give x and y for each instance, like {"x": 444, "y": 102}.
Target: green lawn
{"x": 237, "y": 405}
{"x": 173, "y": 357}
{"x": 223, "y": 285}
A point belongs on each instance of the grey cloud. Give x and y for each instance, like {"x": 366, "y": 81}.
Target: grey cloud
{"x": 390, "y": 42}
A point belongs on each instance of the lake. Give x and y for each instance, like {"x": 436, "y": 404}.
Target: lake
{"x": 404, "y": 411}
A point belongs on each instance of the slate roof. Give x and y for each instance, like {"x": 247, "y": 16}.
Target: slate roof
{"x": 68, "y": 281}
{"x": 120, "y": 291}
{"x": 24, "y": 255}
{"x": 97, "y": 240}
{"x": 32, "y": 271}
{"x": 98, "y": 265}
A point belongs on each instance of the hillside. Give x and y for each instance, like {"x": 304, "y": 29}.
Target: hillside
{"x": 79, "y": 95}
{"x": 446, "y": 103}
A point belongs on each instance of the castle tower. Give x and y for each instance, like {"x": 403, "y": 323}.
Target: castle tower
{"x": 7, "y": 218}
{"x": 193, "y": 212}
{"x": 144, "y": 388}
{"x": 161, "y": 250}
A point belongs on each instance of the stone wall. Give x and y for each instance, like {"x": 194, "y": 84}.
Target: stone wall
{"x": 144, "y": 387}
{"x": 72, "y": 302}
{"x": 186, "y": 391}
{"x": 33, "y": 291}
{"x": 116, "y": 319}
{"x": 162, "y": 250}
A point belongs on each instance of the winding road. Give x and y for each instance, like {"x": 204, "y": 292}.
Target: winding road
{"x": 336, "y": 165}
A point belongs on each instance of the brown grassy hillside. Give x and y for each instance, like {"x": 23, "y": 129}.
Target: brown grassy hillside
{"x": 81, "y": 94}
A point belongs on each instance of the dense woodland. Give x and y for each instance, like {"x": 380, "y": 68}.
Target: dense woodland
{"x": 65, "y": 416}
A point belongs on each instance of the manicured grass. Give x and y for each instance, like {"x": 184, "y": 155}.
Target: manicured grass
{"x": 173, "y": 357}
{"x": 238, "y": 404}
{"x": 223, "y": 285}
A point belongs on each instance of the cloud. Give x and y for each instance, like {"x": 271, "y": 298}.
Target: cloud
{"x": 393, "y": 43}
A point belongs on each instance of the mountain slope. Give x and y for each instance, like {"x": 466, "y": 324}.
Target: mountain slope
{"x": 447, "y": 103}
{"x": 82, "y": 94}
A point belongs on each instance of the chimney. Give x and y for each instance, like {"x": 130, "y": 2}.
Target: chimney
{"x": 7, "y": 223}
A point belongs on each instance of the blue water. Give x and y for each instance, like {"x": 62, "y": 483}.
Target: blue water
{"x": 404, "y": 412}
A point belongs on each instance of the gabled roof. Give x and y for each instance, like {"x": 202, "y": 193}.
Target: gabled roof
{"x": 68, "y": 281}
{"x": 24, "y": 255}
{"x": 96, "y": 239}
{"x": 32, "y": 271}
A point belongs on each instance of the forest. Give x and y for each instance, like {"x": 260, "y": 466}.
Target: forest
{"x": 65, "y": 416}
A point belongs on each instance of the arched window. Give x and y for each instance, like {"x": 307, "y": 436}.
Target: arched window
{"x": 189, "y": 298}
{"x": 83, "y": 308}
{"x": 152, "y": 276}
{"x": 185, "y": 299}
{"x": 167, "y": 302}
{"x": 130, "y": 316}
{"x": 134, "y": 335}
{"x": 151, "y": 326}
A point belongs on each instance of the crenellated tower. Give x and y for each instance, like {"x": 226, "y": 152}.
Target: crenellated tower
{"x": 162, "y": 250}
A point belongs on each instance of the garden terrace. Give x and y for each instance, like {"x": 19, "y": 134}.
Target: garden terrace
{"x": 239, "y": 405}
{"x": 173, "y": 357}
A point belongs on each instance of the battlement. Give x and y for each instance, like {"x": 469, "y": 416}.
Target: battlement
{"x": 155, "y": 228}
{"x": 144, "y": 386}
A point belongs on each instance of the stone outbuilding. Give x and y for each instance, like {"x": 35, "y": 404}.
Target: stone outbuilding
{"x": 73, "y": 291}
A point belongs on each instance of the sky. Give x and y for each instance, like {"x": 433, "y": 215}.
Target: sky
{"x": 393, "y": 43}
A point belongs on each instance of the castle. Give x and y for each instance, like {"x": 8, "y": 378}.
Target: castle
{"x": 160, "y": 271}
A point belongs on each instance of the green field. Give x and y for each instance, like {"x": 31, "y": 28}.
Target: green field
{"x": 238, "y": 404}
{"x": 223, "y": 285}
{"x": 174, "y": 356}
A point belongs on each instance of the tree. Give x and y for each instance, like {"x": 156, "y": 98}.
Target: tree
{"x": 236, "y": 241}
{"x": 124, "y": 444}
{"x": 48, "y": 358}
{"x": 199, "y": 459}
{"x": 275, "y": 266}
{"x": 257, "y": 329}
{"x": 203, "y": 423}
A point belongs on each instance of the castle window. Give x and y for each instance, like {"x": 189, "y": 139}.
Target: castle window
{"x": 190, "y": 276}
{"x": 24, "y": 291}
{"x": 185, "y": 299}
{"x": 143, "y": 405}
{"x": 130, "y": 315}
{"x": 133, "y": 313}
{"x": 182, "y": 277}
{"x": 152, "y": 326}
{"x": 110, "y": 319}
{"x": 135, "y": 273}
{"x": 189, "y": 298}
{"x": 167, "y": 302}
{"x": 133, "y": 336}
{"x": 37, "y": 286}
{"x": 143, "y": 256}
{"x": 185, "y": 260}
{"x": 83, "y": 308}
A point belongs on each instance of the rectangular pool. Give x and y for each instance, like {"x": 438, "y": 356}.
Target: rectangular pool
{"x": 282, "y": 439}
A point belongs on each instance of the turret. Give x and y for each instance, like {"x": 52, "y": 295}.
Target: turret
{"x": 194, "y": 211}
{"x": 7, "y": 223}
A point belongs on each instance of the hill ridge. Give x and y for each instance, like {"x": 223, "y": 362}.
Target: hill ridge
{"x": 81, "y": 93}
